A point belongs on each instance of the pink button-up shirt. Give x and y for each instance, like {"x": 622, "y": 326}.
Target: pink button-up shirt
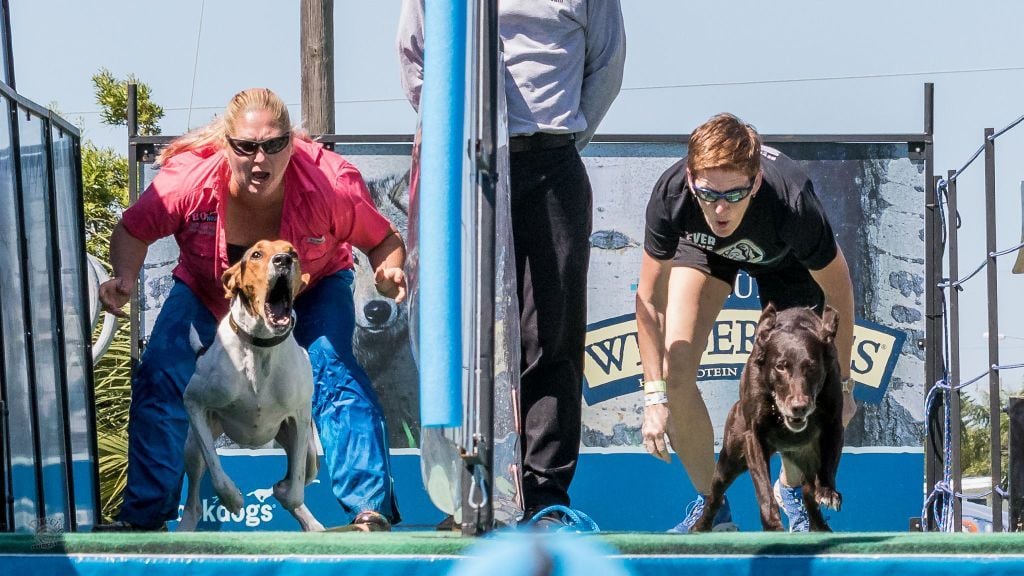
{"x": 327, "y": 209}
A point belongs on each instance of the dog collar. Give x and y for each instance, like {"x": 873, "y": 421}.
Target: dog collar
{"x": 260, "y": 342}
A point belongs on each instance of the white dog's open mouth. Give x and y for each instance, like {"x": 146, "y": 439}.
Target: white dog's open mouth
{"x": 795, "y": 424}
{"x": 278, "y": 308}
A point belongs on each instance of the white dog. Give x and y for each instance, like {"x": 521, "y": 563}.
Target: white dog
{"x": 254, "y": 384}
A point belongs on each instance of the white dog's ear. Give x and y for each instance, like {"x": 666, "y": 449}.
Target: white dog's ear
{"x": 829, "y": 325}
{"x": 230, "y": 279}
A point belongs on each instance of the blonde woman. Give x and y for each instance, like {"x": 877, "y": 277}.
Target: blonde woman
{"x": 247, "y": 176}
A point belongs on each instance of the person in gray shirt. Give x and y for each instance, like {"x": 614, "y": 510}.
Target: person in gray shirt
{"x": 563, "y": 69}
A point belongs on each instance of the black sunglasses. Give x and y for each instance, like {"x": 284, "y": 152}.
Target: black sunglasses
{"x": 250, "y": 147}
{"x": 731, "y": 196}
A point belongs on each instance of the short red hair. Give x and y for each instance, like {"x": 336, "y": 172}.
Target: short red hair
{"x": 727, "y": 143}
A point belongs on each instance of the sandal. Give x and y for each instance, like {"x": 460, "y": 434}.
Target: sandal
{"x": 371, "y": 521}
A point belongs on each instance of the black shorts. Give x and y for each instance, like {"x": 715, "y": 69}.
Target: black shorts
{"x": 788, "y": 285}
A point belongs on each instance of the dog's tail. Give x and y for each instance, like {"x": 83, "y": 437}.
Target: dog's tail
{"x": 195, "y": 342}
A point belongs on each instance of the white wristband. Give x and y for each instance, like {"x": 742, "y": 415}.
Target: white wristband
{"x": 652, "y": 386}
{"x": 847, "y": 385}
{"x": 655, "y": 398}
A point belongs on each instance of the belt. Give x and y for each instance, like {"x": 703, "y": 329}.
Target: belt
{"x": 540, "y": 141}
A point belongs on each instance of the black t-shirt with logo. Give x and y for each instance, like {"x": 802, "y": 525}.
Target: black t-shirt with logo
{"x": 784, "y": 225}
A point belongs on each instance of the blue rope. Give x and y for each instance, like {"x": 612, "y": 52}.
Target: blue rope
{"x": 940, "y": 500}
{"x": 573, "y": 520}
{"x": 938, "y": 505}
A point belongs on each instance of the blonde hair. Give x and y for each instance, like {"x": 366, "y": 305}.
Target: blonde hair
{"x": 724, "y": 142}
{"x": 212, "y": 135}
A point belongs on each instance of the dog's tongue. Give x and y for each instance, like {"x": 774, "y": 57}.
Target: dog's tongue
{"x": 279, "y": 305}
{"x": 279, "y": 314}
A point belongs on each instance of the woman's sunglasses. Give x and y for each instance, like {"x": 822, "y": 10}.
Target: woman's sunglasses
{"x": 269, "y": 146}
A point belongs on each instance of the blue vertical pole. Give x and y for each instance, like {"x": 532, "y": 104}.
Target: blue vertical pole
{"x": 442, "y": 153}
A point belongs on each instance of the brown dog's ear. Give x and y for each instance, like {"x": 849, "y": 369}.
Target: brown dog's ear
{"x": 764, "y": 330}
{"x": 829, "y": 325}
{"x": 230, "y": 279}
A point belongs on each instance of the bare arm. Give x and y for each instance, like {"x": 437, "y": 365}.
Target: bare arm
{"x": 388, "y": 260}
{"x": 835, "y": 282}
{"x": 651, "y": 298}
{"x": 127, "y": 254}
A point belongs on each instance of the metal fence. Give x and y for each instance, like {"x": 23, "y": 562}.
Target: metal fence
{"x": 943, "y": 509}
{"x": 49, "y": 480}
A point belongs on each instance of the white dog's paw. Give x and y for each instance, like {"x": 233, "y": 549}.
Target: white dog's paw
{"x": 230, "y": 498}
{"x": 189, "y": 520}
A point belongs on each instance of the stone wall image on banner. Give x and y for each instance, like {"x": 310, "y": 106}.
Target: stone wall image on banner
{"x": 874, "y": 197}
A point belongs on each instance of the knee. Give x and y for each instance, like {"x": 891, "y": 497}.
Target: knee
{"x": 681, "y": 362}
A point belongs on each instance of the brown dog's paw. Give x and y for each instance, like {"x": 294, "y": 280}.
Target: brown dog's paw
{"x": 701, "y": 526}
{"x": 828, "y": 498}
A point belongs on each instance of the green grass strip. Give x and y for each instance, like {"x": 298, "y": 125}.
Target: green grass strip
{"x": 435, "y": 543}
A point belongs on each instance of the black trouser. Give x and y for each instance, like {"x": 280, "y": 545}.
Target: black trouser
{"x": 551, "y": 223}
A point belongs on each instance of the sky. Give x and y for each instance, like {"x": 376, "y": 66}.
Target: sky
{"x": 788, "y": 67}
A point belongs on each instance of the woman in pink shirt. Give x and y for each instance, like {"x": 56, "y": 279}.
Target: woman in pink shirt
{"x": 245, "y": 177}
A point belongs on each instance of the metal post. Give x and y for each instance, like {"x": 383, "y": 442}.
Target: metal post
{"x": 58, "y": 337}
{"x": 1016, "y": 471}
{"x": 995, "y": 409}
{"x": 932, "y": 342}
{"x": 954, "y": 353}
{"x": 8, "y": 46}
{"x": 482, "y": 458}
{"x": 15, "y": 112}
{"x": 90, "y": 392}
{"x": 134, "y": 320}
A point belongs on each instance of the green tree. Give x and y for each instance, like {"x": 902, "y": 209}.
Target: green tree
{"x": 105, "y": 186}
{"x": 105, "y": 182}
{"x": 976, "y": 436}
{"x": 112, "y": 96}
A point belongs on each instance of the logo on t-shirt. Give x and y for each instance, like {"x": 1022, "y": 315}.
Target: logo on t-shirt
{"x": 743, "y": 251}
{"x": 202, "y": 216}
{"x": 203, "y": 223}
{"x": 701, "y": 240}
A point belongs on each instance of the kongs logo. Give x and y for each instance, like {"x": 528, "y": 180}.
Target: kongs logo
{"x": 251, "y": 515}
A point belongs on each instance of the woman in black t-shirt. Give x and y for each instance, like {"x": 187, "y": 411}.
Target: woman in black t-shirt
{"x": 730, "y": 204}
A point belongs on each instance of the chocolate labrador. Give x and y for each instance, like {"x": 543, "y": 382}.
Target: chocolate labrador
{"x": 790, "y": 402}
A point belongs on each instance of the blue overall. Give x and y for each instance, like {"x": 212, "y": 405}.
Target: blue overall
{"x": 346, "y": 410}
